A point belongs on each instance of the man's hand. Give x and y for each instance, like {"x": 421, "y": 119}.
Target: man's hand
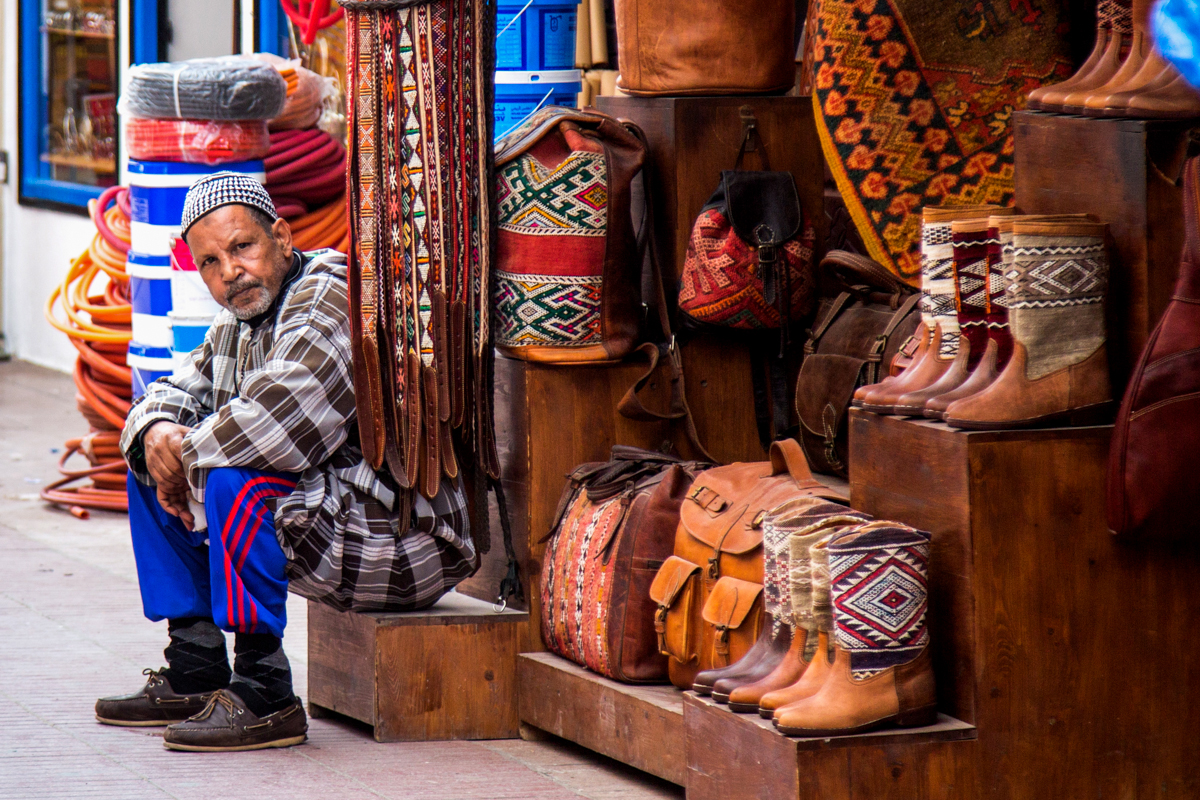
{"x": 163, "y": 445}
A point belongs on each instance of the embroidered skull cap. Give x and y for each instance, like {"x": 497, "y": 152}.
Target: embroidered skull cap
{"x": 224, "y": 189}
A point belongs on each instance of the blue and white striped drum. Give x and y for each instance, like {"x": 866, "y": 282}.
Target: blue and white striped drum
{"x": 157, "y": 191}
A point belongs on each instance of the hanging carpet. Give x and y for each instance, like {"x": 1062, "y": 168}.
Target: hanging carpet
{"x": 419, "y": 119}
{"x": 914, "y": 103}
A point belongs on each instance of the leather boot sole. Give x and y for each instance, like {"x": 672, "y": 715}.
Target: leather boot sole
{"x": 1098, "y": 414}
{"x": 719, "y": 697}
{"x": 766, "y": 713}
{"x": 743, "y": 708}
{"x": 196, "y": 748}
{"x": 143, "y": 723}
{"x": 704, "y": 690}
{"x": 915, "y": 718}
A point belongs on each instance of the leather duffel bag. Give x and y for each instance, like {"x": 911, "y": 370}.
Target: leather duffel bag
{"x": 705, "y": 47}
{"x": 861, "y": 327}
{"x": 709, "y": 592}
{"x": 614, "y": 528}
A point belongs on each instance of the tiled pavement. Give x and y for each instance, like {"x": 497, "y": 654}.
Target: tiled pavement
{"x": 71, "y": 630}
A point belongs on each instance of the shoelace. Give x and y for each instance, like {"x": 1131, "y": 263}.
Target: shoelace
{"x": 222, "y": 697}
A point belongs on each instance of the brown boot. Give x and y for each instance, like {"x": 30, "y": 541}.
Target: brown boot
{"x": 925, "y": 370}
{"x": 1113, "y": 28}
{"x": 1059, "y": 368}
{"x": 1177, "y": 100}
{"x": 226, "y": 724}
{"x": 1140, "y": 49}
{"x": 983, "y": 376}
{"x": 882, "y": 673}
{"x": 864, "y": 395}
{"x": 795, "y": 536}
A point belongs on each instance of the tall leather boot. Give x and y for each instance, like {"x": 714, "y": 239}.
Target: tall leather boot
{"x": 1114, "y": 28}
{"x": 811, "y": 605}
{"x": 970, "y": 262}
{"x": 999, "y": 345}
{"x": 793, "y": 535}
{"x": 882, "y": 674}
{"x": 937, "y": 306}
{"x": 774, "y": 639}
{"x": 1059, "y": 367}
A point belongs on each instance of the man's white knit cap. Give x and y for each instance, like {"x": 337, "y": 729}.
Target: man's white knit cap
{"x": 224, "y": 189}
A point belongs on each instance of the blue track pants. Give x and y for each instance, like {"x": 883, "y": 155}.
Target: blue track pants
{"x": 233, "y": 572}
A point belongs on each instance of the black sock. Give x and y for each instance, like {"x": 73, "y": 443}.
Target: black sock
{"x": 262, "y": 676}
{"x": 196, "y": 657}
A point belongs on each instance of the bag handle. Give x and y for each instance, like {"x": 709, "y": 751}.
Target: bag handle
{"x": 749, "y": 133}
{"x": 875, "y": 357}
{"x": 787, "y": 456}
{"x": 631, "y": 405}
{"x": 852, "y": 269}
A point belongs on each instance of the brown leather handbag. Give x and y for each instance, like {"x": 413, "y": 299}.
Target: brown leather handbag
{"x": 1152, "y": 477}
{"x": 614, "y": 528}
{"x": 705, "y": 46}
{"x": 859, "y": 329}
{"x": 709, "y": 592}
{"x": 567, "y": 283}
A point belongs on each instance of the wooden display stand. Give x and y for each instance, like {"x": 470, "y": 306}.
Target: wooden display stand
{"x": 448, "y": 672}
{"x": 1126, "y": 172}
{"x": 1070, "y": 651}
{"x": 639, "y": 725}
{"x": 743, "y": 755}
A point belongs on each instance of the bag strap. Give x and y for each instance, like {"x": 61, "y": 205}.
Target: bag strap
{"x": 631, "y": 405}
{"x": 846, "y": 267}
{"x": 510, "y": 584}
{"x": 875, "y": 357}
{"x": 814, "y": 337}
{"x": 749, "y": 133}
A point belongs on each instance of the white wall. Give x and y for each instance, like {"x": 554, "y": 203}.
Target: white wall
{"x": 37, "y": 245}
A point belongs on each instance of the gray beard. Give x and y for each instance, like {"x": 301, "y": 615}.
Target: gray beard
{"x": 250, "y": 312}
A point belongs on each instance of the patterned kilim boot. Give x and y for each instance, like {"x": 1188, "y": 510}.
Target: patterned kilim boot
{"x": 970, "y": 249}
{"x": 775, "y": 640}
{"x": 937, "y": 308}
{"x": 781, "y": 526}
{"x": 1059, "y": 368}
{"x": 882, "y": 674}
{"x": 764, "y": 647}
{"x": 809, "y": 580}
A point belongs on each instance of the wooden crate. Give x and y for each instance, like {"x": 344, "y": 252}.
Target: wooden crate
{"x": 744, "y": 756}
{"x": 448, "y": 672}
{"x": 1067, "y": 649}
{"x": 1125, "y": 172}
{"x": 639, "y": 725}
{"x": 693, "y": 138}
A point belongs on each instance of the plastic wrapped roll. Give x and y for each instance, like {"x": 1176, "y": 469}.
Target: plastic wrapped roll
{"x": 306, "y": 93}
{"x": 228, "y": 88}
{"x": 197, "y": 141}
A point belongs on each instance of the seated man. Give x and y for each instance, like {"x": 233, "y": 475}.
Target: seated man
{"x": 246, "y": 478}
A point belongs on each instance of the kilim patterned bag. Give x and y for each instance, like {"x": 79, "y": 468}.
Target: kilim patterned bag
{"x": 567, "y": 269}
{"x": 749, "y": 259}
{"x": 614, "y": 528}
{"x": 419, "y": 114}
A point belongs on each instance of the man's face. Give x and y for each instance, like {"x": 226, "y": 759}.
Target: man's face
{"x": 242, "y": 264}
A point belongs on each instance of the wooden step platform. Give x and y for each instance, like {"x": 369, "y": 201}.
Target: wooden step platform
{"x": 638, "y": 725}
{"x": 743, "y": 755}
{"x": 448, "y": 672}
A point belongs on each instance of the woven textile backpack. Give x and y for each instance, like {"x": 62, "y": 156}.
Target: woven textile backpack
{"x": 567, "y": 272}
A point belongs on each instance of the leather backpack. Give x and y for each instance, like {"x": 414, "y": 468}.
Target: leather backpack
{"x": 567, "y": 284}
{"x": 705, "y": 47}
{"x": 1152, "y": 478}
{"x": 749, "y": 258}
{"x": 614, "y": 528}
{"x": 709, "y": 592}
{"x": 861, "y": 327}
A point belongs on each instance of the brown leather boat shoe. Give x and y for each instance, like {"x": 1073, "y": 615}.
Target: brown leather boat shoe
{"x": 226, "y": 725}
{"x": 154, "y": 705}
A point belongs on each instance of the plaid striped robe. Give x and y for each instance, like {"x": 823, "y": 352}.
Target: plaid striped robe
{"x": 280, "y": 397}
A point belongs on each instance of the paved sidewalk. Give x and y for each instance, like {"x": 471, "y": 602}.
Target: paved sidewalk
{"x": 71, "y": 629}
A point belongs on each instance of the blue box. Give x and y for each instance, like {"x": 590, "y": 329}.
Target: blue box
{"x": 542, "y": 37}
{"x": 519, "y": 94}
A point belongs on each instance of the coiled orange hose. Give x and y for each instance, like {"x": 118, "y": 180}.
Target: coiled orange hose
{"x": 94, "y": 299}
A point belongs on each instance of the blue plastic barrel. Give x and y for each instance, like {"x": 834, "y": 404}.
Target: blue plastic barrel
{"x": 187, "y": 333}
{"x": 535, "y": 35}
{"x": 150, "y": 296}
{"x": 147, "y": 364}
{"x": 519, "y": 94}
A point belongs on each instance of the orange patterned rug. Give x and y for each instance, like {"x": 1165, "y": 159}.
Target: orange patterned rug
{"x": 914, "y": 104}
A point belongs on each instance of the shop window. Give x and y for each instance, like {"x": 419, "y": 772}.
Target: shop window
{"x": 68, "y": 86}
